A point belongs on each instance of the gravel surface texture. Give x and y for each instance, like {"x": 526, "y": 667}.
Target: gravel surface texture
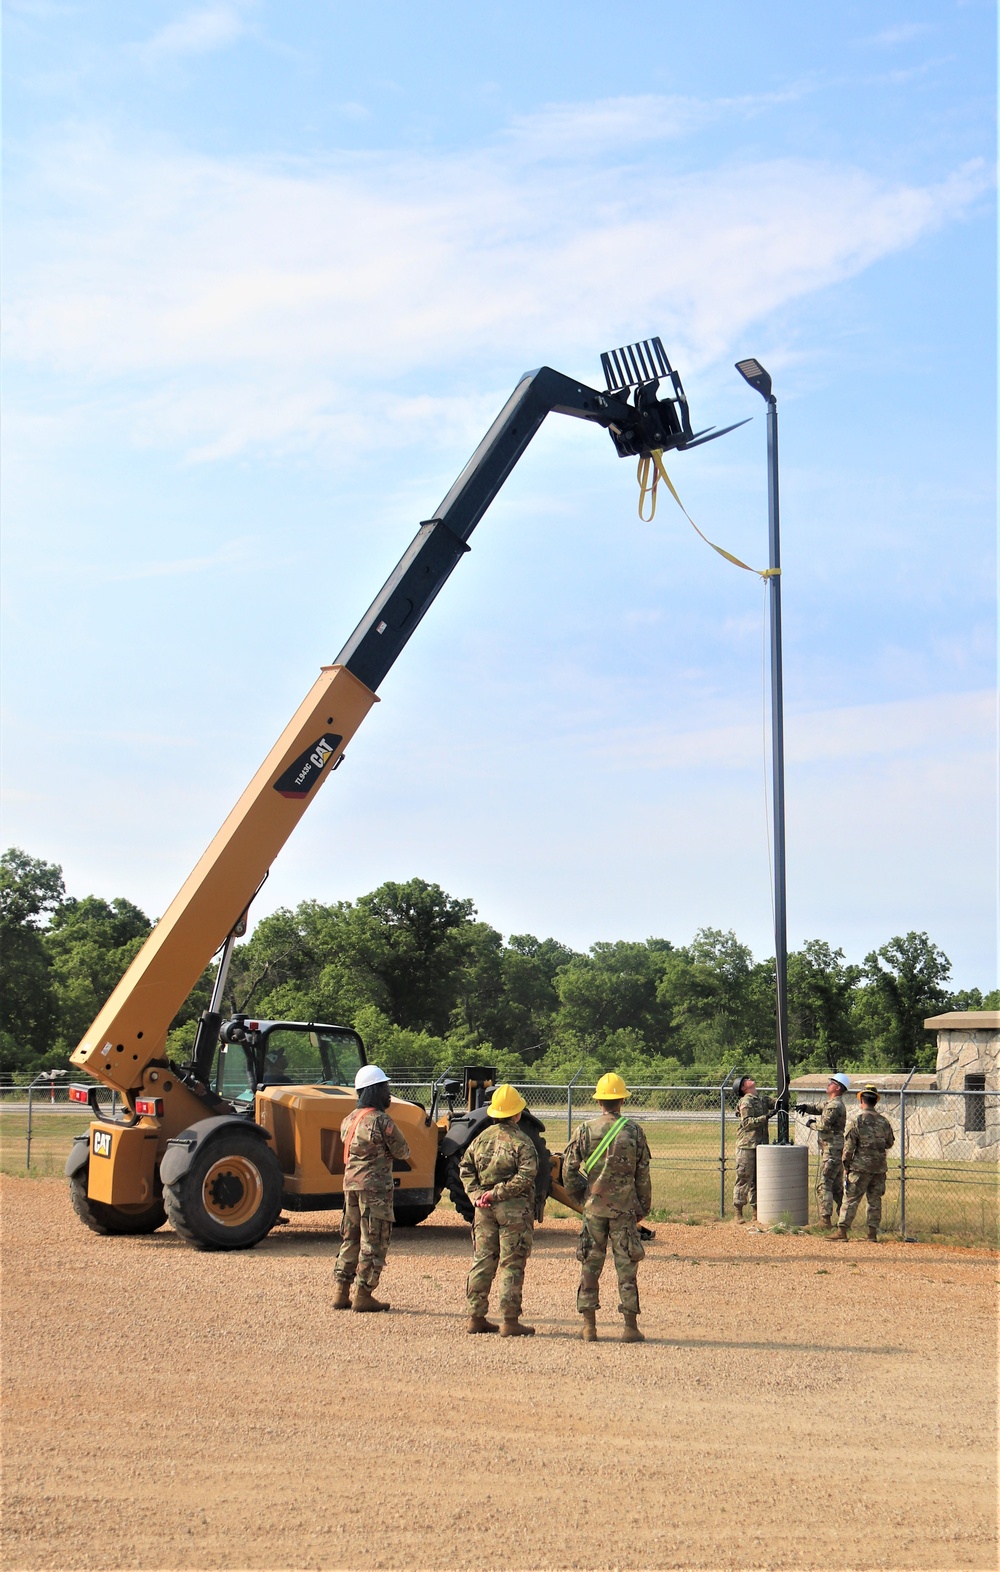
{"x": 797, "y": 1404}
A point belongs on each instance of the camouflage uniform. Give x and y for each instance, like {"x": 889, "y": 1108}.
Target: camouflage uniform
{"x": 869, "y": 1137}
{"x": 751, "y": 1132}
{"x": 832, "y": 1118}
{"x": 616, "y": 1193}
{"x": 503, "y": 1160}
{"x": 367, "y": 1221}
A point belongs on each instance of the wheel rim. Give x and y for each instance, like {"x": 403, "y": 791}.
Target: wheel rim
{"x": 232, "y": 1190}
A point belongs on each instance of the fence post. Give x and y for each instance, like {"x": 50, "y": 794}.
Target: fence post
{"x": 722, "y": 1146}
{"x": 569, "y": 1104}
{"x": 27, "y": 1148}
{"x": 902, "y": 1153}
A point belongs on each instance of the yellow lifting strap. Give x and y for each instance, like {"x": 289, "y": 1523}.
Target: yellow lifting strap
{"x": 652, "y": 466}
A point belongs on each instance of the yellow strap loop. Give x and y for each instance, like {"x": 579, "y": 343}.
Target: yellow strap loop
{"x": 649, "y": 474}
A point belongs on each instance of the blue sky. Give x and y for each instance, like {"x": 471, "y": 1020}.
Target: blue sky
{"x": 270, "y": 272}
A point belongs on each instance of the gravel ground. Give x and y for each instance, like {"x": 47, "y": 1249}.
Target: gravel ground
{"x": 797, "y": 1404}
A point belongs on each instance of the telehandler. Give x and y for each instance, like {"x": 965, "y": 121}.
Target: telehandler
{"x": 251, "y": 1124}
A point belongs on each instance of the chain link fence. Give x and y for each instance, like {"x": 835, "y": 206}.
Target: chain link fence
{"x": 943, "y": 1177}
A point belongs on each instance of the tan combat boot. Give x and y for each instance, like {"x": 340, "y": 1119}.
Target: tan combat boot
{"x": 841, "y": 1234}
{"x": 341, "y": 1295}
{"x": 589, "y": 1330}
{"x": 515, "y": 1327}
{"x": 630, "y": 1331}
{"x": 479, "y": 1323}
{"x": 873, "y": 1235}
{"x": 826, "y": 1222}
{"x": 363, "y": 1300}
{"x": 738, "y": 1214}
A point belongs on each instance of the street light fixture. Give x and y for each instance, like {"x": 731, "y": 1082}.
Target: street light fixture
{"x": 753, "y": 372}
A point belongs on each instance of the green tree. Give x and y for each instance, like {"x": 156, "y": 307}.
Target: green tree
{"x": 821, "y": 1027}
{"x": 90, "y": 943}
{"x": 612, "y": 989}
{"x": 904, "y": 982}
{"x": 29, "y": 1007}
{"x": 530, "y": 967}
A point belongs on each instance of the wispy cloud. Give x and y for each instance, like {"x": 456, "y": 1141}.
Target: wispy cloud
{"x": 197, "y": 32}
{"x": 901, "y": 34}
{"x": 258, "y": 298}
{"x": 847, "y": 735}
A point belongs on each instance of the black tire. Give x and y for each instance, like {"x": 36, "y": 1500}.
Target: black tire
{"x": 230, "y": 1197}
{"x": 410, "y": 1216}
{"x": 101, "y": 1218}
{"x": 455, "y": 1187}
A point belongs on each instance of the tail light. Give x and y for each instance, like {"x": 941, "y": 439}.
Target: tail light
{"x": 79, "y": 1094}
{"x": 153, "y": 1106}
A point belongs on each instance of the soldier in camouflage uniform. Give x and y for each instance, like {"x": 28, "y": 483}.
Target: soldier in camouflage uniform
{"x": 498, "y": 1171}
{"x": 606, "y": 1166}
{"x": 371, "y": 1140}
{"x": 754, "y": 1110}
{"x": 869, "y": 1137}
{"x": 829, "y": 1123}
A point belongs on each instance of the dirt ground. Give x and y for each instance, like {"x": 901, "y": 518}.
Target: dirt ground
{"x": 797, "y": 1404}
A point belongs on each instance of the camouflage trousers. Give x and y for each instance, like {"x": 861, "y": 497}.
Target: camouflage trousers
{"x": 626, "y": 1252}
{"x": 869, "y": 1188}
{"x": 745, "y": 1188}
{"x": 829, "y": 1182}
{"x": 502, "y": 1238}
{"x": 364, "y": 1239}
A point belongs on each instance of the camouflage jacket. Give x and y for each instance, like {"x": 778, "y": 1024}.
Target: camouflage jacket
{"x": 869, "y": 1137}
{"x": 502, "y": 1159}
{"x": 753, "y": 1112}
{"x": 618, "y": 1184}
{"x": 830, "y": 1127}
{"x": 374, "y": 1144}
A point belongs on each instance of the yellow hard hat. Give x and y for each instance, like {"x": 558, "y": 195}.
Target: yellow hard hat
{"x": 505, "y": 1103}
{"x": 611, "y": 1089}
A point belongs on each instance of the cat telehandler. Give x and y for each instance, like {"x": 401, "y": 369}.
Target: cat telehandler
{"x": 251, "y": 1124}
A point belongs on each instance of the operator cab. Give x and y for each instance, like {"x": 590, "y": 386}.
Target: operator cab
{"x": 256, "y": 1054}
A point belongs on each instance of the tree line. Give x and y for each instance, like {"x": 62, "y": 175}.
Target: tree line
{"x": 430, "y": 986}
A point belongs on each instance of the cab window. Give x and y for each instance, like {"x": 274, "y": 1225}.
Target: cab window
{"x": 309, "y": 1058}
{"x": 232, "y": 1077}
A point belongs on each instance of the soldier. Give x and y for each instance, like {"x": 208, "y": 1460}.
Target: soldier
{"x": 498, "y": 1172}
{"x": 606, "y": 1165}
{"x": 754, "y": 1110}
{"x": 869, "y": 1137}
{"x": 832, "y": 1118}
{"x": 371, "y": 1140}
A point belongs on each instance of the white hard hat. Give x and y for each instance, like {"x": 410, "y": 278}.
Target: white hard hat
{"x": 842, "y": 1079}
{"x": 369, "y": 1075}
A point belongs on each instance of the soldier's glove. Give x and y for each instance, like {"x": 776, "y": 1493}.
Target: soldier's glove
{"x": 807, "y": 1108}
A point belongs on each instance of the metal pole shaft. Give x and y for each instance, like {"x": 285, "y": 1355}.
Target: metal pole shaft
{"x": 778, "y": 769}
{"x": 27, "y": 1147}
{"x": 722, "y": 1149}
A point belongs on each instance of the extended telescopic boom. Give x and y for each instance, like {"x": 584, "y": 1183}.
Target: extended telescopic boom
{"x": 130, "y": 1032}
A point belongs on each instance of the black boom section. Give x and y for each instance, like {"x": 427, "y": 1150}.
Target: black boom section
{"x": 411, "y": 587}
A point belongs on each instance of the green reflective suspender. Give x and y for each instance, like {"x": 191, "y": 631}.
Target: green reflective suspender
{"x": 616, "y": 1129}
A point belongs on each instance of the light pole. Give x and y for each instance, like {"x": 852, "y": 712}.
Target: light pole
{"x": 753, "y": 372}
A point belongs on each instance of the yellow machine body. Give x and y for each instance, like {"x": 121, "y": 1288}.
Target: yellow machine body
{"x": 304, "y": 1125}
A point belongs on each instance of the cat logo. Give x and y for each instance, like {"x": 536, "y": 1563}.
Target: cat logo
{"x": 302, "y": 774}
{"x": 102, "y": 1143}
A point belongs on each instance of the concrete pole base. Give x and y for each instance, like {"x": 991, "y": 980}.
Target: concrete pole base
{"x": 783, "y": 1185}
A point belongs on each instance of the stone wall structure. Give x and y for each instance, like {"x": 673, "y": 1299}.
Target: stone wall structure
{"x": 945, "y": 1115}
